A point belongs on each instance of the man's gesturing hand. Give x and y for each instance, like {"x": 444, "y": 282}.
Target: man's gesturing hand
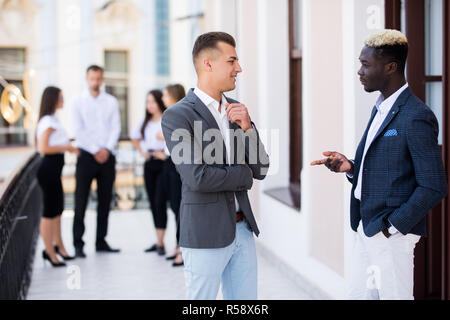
{"x": 237, "y": 112}
{"x": 336, "y": 162}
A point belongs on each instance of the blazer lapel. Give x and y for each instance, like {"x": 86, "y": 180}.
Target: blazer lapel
{"x": 392, "y": 113}
{"x": 234, "y": 144}
{"x": 204, "y": 112}
{"x": 362, "y": 143}
{"x": 401, "y": 100}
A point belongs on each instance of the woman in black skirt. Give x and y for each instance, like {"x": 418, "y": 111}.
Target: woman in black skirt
{"x": 145, "y": 140}
{"x": 52, "y": 142}
{"x": 171, "y": 95}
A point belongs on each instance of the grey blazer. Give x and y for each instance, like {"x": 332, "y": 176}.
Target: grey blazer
{"x": 208, "y": 210}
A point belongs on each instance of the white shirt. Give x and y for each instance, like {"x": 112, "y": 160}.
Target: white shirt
{"x": 166, "y": 150}
{"x": 221, "y": 119}
{"x": 383, "y": 108}
{"x": 58, "y": 137}
{"x": 150, "y": 140}
{"x": 96, "y": 121}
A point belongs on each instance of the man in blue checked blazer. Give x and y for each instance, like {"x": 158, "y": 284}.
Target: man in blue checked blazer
{"x": 397, "y": 174}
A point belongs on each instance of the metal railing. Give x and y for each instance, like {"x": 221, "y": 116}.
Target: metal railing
{"x": 20, "y": 213}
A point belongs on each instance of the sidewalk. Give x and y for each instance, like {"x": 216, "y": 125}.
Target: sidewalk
{"x": 133, "y": 274}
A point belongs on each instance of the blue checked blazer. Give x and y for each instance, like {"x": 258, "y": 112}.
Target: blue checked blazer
{"x": 403, "y": 173}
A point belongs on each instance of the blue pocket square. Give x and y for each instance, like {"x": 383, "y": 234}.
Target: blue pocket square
{"x": 391, "y": 133}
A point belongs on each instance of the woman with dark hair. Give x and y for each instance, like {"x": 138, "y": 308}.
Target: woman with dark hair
{"x": 52, "y": 142}
{"x": 145, "y": 139}
{"x": 171, "y": 95}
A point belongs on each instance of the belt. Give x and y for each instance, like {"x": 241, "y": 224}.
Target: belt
{"x": 239, "y": 216}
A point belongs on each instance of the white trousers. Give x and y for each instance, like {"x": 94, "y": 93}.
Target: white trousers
{"x": 382, "y": 268}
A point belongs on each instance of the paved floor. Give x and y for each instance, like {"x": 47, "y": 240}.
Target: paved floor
{"x": 132, "y": 274}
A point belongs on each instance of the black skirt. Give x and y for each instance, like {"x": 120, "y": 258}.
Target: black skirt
{"x": 49, "y": 178}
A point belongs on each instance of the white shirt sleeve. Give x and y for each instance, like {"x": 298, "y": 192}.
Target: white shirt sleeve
{"x": 350, "y": 175}
{"x": 116, "y": 126}
{"x": 48, "y": 122}
{"x": 44, "y": 124}
{"x": 81, "y": 136}
{"x": 392, "y": 229}
{"x": 136, "y": 132}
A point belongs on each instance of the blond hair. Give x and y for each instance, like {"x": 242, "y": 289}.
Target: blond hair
{"x": 386, "y": 37}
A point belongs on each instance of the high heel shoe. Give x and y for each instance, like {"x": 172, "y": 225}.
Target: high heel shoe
{"x": 66, "y": 258}
{"x": 45, "y": 256}
{"x": 178, "y": 264}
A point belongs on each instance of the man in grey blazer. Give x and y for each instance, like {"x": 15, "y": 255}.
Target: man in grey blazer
{"x": 217, "y": 152}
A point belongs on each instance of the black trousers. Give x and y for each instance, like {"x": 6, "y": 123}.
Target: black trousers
{"x": 173, "y": 190}
{"x": 49, "y": 179}
{"x": 155, "y": 186}
{"x": 87, "y": 170}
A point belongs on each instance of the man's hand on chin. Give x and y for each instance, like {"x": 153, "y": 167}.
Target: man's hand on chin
{"x": 238, "y": 112}
{"x": 101, "y": 156}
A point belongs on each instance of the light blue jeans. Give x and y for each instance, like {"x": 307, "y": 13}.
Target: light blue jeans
{"x": 235, "y": 266}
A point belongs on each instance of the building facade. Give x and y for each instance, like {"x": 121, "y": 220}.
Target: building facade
{"x": 58, "y": 40}
{"x": 299, "y": 81}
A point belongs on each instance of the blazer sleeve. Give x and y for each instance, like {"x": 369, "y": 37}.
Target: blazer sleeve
{"x": 199, "y": 176}
{"x": 351, "y": 176}
{"x": 255, "y": 154}
{"x": 422, "y": 133}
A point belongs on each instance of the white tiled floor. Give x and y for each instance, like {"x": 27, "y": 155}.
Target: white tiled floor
{"x": 132, "y": 274}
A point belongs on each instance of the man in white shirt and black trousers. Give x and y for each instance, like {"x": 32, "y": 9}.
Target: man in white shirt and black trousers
{"x": 96, "y": 124}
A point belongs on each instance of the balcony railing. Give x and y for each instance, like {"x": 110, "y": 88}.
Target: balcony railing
{"x": 20, "y": 212}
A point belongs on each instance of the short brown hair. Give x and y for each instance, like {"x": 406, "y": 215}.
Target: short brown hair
{"x": 176, "y": 91}
{"x": 94, "y": 68}
{"x": 209, "y": 41}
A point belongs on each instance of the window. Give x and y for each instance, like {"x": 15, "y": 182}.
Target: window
{"x": 162, "y": 38}
{"x": 116, "y": 81}
{"x": 291, "y": 195}
{"x": 295, "y": 103}
{"x": 12, "y": 68}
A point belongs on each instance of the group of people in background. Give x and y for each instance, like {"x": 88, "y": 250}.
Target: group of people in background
{"x": 162, "y": 181}
{"x": 95, "y": 117}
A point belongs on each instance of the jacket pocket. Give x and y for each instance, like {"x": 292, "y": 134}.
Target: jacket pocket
{"x": 199, "y": 197}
